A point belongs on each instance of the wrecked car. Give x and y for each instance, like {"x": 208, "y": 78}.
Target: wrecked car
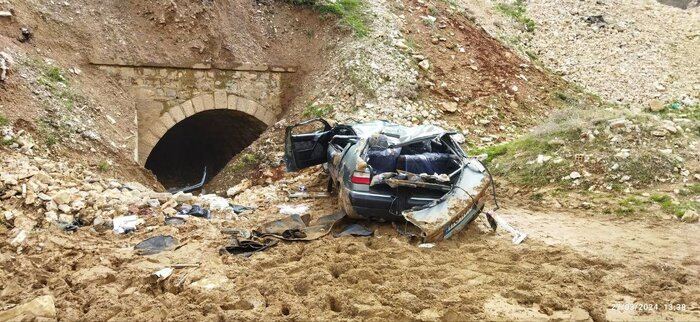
{"x": 385, "y": 171}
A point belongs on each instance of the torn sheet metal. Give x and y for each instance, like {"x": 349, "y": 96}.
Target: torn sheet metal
{"x": 458, "y": 207}
{"x": 155, "y": 245}
{"x": 297, "y": 227}
{"x": 248, "y": 247}
{"x": 355, "y": 230}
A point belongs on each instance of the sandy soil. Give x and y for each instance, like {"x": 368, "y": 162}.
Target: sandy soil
{"x": 572, "y": 267}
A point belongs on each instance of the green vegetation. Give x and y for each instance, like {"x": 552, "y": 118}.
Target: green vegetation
{"x": 349, "y": 11}
{"x": 513, "y": 153}
{"x": 50, "y": 132}
{"x": 317, "y": 110}
{"x": 245, "y": 161}
{"x": 6, "y": 142}
{"x": 55, "y": 74}
{"x": 491, "y": 152}
{"x": 695, "y": 189}
{"x": 3, "y": 120}
{"x": 53, "y": 80}
{"x": 674, "y": 208}
{"x": 517, "y": 12}
{"x": 250, "y": 158}
{"x": 51, "y": 140}
{"x": 564, "y": 97}
{"x": 645, "y": 165}
{"x": 103, "y": 166}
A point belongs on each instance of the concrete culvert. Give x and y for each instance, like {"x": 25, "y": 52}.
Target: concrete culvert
{"x": 207, "y": 139}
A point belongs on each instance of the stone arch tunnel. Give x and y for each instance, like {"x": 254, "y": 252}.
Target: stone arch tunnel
{"x": 207, "y": 139}
{"x": 189, "y": 117}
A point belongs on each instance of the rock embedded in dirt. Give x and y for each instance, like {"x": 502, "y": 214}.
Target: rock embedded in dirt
{"x": 449, "y": 107}
{"x": 39, "y": 309}
{"x": 237, "y": 189}
{"x": 690, "y": 216}
{"x": 424, "y": 64}
{"x": 656, "y": 105}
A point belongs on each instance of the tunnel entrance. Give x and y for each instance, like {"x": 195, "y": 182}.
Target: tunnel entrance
{"x": 207, "y": 139}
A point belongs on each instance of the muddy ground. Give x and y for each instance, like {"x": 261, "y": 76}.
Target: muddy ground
{"x": 573, "y": 266}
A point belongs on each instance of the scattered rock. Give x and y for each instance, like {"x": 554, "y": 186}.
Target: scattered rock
{"x": 424, "y": 64}
{"x": 574, "y": 175}
{"x": 40, "y": 308}
{"x": 237, "y": 189}
{"x": 5, "y": 64}
{"x": 656, "y": 106}
{"x": 690, "y": 216}
{"x": 449, "y": 107}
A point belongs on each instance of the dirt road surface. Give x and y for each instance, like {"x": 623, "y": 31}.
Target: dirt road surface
{"x": 572, "y": 267}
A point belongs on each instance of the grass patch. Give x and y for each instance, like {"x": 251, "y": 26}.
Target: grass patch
{"x": 349, "y": 11}
{"x": 317, "y": 110}
{"x": 3, "y": 120}
{"x": 694, "y": 189}
{"x": 670, "y": 207}
{"x": 103, "y": 166}
{"x": 55, "y": 74}
{"x": 491, "y": 152}
{"x": 517, "y": 12}
{"x": 645, "y": 166}
{"x": 507, "y": 160}
{"x": 244, "y": 162}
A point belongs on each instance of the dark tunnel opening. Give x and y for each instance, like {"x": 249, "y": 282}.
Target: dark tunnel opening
{"x": 207, "y": 139}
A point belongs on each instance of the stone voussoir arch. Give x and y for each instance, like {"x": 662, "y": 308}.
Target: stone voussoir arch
{"x": 217, "y": 100}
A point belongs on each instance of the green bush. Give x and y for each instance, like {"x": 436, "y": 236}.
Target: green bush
{"x": 517, "y": 12}
{"x": 350, "y": 12}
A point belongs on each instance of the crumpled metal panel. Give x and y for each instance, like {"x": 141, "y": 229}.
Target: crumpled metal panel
{"x": 451, "y": 213}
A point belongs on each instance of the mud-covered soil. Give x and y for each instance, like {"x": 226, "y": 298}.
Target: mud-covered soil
{"x": 572, "y": 266}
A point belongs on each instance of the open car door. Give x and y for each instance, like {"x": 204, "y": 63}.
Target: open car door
{"x": 306, "y": 144}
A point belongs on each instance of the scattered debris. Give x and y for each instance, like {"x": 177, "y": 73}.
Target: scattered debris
{"x": 195, "y": 211}
{"x": 162, "y": 274}
{"x": 296, "y": 227}
{"x": 293, "y": 210}
{"x": 239, "y": 209}
{"x": 174, "y": 221}
{"x": 307, "y": 195}
{"x": 247, "y": 247}
{"x": 355, "y": 230}
{"x": 426, "y": 245}
{"x": 26, "y": 35}
{"x": 495, "y": 220}
{"x": 19, "y": 238}
{"x": 155, "y": 245}
{"x": 185, "y": 189}
{"x": 126, "y": 224}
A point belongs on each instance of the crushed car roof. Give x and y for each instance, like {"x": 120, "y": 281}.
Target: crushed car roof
{"x": 399, "y": 134}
